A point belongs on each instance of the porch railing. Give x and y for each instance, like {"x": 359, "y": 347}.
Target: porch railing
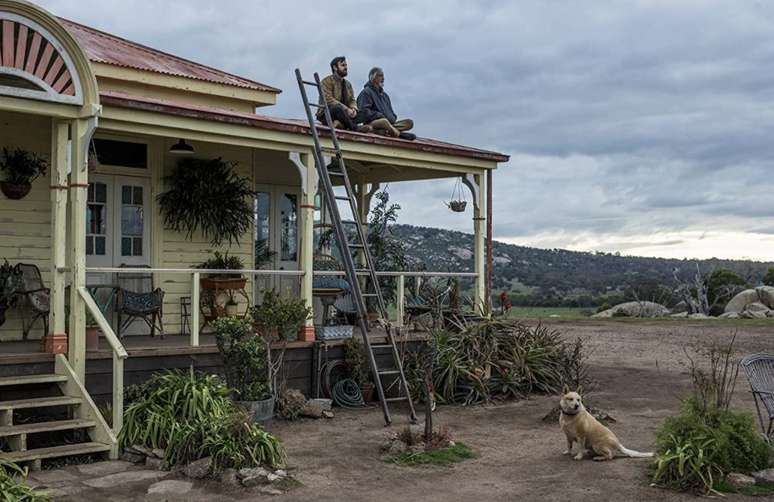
{"x": 119, "y": 354}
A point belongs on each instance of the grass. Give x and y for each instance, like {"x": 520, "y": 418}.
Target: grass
{"x": 548, "y": 312}
{"x": 442, "y": 456}
{"x": 575, "y": 314}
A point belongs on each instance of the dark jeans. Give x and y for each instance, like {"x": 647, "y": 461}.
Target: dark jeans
{"x": 338, "y": 112}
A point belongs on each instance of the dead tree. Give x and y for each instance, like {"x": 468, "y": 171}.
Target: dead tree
{"x": 694, "y": 293}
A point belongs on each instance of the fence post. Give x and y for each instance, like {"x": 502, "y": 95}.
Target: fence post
{"x": 195, "y": 310}
{"x": 400, "y": 299}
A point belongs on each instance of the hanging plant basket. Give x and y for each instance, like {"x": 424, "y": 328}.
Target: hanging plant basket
{"x": 458, "y": 206}
{"x": 15, "y": 191}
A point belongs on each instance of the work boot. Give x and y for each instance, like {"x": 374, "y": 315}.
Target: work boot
{"x": 408, "y": 136}
{"x": 365, "y": 128}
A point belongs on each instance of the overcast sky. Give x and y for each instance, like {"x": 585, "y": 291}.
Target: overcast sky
{"x": 643, "y": 127}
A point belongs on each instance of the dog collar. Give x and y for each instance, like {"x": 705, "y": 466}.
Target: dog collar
{"x": 570, "y": 414}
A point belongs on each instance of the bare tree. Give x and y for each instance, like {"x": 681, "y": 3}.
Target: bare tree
{"x": 693, "y": 293}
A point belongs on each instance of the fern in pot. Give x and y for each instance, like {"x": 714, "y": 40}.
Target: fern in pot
{"x": 246, "y": 360}
{"x": 20, "y": 168}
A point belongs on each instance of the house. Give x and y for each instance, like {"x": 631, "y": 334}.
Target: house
{"x": 68, "y": 92}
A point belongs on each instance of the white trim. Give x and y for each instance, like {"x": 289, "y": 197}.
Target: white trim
{"x": 49, "y": 94}
{"x": 469, "y": 180}
{"x": 295, "y": 158}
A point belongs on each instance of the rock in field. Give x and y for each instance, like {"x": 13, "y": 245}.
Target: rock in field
{"x": 764, "y": 477}
{"x": 635, "y": 309}
{"x": 198, "y": 469}
{"x": 738, "y": 480}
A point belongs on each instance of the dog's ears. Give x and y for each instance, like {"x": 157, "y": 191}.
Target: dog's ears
{"x": 565, "y": 389}
{"x": 580, "y": 390}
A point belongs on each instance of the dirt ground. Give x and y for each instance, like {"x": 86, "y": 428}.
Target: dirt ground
{"x": 640, "y": 381}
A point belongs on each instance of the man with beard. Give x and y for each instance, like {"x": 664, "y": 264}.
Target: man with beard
{"x": 338, "y": 94}
{"x": 376, "y": 109}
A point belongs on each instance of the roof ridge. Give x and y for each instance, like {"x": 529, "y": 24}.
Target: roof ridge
{"x": 151, "y": 50}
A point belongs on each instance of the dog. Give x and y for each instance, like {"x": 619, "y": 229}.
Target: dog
{"x": 581, "y": 427}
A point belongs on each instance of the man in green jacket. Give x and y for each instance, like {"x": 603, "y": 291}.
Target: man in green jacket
{"x": 338, "y": 93}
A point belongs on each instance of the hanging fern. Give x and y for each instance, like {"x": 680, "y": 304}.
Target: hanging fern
{"x": 208, "y": 196}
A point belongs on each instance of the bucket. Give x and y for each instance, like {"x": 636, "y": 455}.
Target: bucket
{"x": 260, "y": 411}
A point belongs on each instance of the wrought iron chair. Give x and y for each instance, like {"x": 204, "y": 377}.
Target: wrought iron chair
{"x": 759, "y": 369}
{"x": 35, "y": 297}
{"x": 138, "y": 299}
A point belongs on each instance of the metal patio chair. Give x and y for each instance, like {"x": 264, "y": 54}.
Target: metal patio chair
{"x": 138, "y": 299}
{"x": 35, "y": 297}
{"x": 759, "y": 369}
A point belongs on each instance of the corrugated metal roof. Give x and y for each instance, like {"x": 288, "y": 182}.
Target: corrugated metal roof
{"x": 123, "y": 100}
{"x": 102, "y": 47}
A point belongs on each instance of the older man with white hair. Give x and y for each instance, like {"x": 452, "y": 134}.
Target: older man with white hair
{"x": 375, "y": 109}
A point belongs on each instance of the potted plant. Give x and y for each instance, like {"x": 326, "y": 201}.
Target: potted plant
{"x": 222, "y": 281}
{"x": 359, "y": 371}
{"x": 231, "y": 305}
{"x": 92, "y": 332}
{"x": 10, "y": 283}
{"x": 246, "y": 363}
{"x": 20, "y": 168}
{"x": 279, "y": 318}
{"x": 208, "y": 196}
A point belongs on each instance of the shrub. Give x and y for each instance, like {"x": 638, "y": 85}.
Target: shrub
{"x": 290, "y": 404}
{"x": 355, "y": 360}
{"x": 281, "y": 315}
{"x": 245, "y": 358}
{"x": 12, "y": 487}
{"x": 708, "y": 440}
{"x": 220, "y": 261}
{"x": 190, "y": 416}
{"x": 232, "y": 442}
{"x": 697, "y": 448}
{"x": 498, "y": 359}
{"x": 174, "y": 398}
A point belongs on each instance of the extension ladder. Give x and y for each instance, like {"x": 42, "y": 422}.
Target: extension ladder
{"x": 338, "y": 169}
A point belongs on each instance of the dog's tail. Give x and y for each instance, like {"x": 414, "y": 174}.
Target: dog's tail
{"x": 635, "y": 454}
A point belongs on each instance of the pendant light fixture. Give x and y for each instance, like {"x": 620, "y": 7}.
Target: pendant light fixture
{"x": 181, "y": 148}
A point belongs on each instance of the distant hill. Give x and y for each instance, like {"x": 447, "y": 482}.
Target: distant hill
{"x": 545, "y": 273}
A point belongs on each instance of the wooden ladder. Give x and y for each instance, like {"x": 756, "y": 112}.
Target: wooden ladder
{"x": 338, "y": 169}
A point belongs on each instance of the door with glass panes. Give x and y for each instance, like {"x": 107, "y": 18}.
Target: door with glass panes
{"x": 117, "y": 222}
{"x": 276, "y": 237}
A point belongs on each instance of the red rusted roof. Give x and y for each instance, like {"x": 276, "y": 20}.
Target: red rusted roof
{"x": 123, "y": 100}
{"x": 106, "y": 48}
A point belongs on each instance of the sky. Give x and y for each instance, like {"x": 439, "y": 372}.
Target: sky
{"x": 643, "y": 127}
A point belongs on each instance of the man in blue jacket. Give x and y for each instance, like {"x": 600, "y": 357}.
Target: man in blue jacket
{"x": 375, "y": 109}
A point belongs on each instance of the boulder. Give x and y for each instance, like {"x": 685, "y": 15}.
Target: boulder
{"x": 635, "y": 309}
{"x": 198, "y": 469}
{"x": 764, "y": 477}
{"x": 229, "y": 478}
{"x": 154, "y": 463}
{"x": 741, "y": 300}
{"x": 756, "y": 307}
{"x": 754, "y": 314}
{"x": 699, "y": 316}
{"x": 729, "y": 315}
{"x": 766, "y": 295}
{"x": 738, "y": 480}
{"x": 317, "y": 408}
{"x": 256, "y": 476}
{"x": 680, "y": 315}
{"x": 133, "y": 457}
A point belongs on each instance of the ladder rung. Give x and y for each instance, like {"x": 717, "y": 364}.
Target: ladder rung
{"x": 314, "y": 105}
{"x": 310, "y": 83}
{"x": 355, "y": 245}
{"x": 336, "y": 173}
{"x": 390, "y": 372}
{"x": 368, "y": 295}
{"x": 341, "y": 197}
{"x": 349, "y": 222}
{"x": 381, "y": 346}
{"x": 394, "y": 399}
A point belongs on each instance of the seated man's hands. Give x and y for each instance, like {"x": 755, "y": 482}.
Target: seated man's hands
{"x": 351, "y": 112}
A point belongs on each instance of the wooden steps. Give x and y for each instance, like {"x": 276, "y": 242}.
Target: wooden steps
{"x": 74, "y": 412}
{"x": 55, "y": 452}
{"x": 39, "y": 402}
{"x": 36, "y": 428}
{"x": 31, "y": 380}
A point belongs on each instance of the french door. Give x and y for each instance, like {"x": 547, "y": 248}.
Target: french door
{"x": 117, "y": 222}
{"x": 276, "y": 237}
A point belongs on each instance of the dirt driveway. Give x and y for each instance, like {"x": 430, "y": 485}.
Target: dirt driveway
{"x": 640, "y": 380}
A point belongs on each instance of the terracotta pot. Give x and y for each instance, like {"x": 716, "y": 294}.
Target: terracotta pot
{"x": 92, "y": 338}
{"x": 367, "y": 390}
{"x": 15, "y": 191}
{"x": 306, "y": 334}
{"x": 223, "y": 283}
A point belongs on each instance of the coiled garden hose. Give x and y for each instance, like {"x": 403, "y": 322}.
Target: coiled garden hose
{"x": 346, "y": 393}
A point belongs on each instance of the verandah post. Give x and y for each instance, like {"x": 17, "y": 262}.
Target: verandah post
{"x": 307, "y": 239}
{"x": 56, "y": 338}
{"x": 479, "y": 224}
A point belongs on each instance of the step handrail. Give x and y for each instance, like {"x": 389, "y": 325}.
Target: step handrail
{"x": 119, "y": 354}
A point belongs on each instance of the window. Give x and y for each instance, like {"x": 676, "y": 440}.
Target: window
{"x": 96, "y": 219}
{"x": 132, "y": 220}
{"x": 289, "y": 227}
{"x": 121, "y": 153}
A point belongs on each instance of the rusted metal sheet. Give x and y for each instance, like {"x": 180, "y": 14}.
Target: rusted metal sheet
{"x": 123, "y": 100}
{"x": 106, "y": 48}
